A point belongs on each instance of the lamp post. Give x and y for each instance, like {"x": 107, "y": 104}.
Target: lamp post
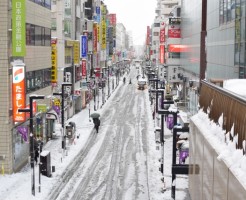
{"x": 62, "y": 111}
{"x": 30, "y": 110}
{"x": 108, "y": 83}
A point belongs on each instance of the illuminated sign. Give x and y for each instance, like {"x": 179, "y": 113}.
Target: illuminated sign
{"x": 18, "y": 92}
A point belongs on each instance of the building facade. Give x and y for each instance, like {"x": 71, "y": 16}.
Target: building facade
{"x": 14, "y": 146}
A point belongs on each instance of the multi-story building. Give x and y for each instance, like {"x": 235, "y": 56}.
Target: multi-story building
{"x": 25, "y": 57}
{"x": 213, "y": 32}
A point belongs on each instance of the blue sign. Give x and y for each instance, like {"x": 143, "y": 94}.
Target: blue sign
{"x": 83, "y": 46}
{"x": 98, "y": 10}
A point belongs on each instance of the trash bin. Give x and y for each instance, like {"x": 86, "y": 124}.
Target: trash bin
{"x": 45, "y": 163}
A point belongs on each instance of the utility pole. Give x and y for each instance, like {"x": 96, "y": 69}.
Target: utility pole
{"x": 62, "y": 112}
{"x": 30, "y": 110}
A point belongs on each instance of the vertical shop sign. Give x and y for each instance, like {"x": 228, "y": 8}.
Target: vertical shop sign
{"x": 83, "y": 66}
{"x": 95, "y": 38}
{"x": 18, "y": 28}
{"x": 162, "y": 35}
{"x": 162, "y": 54}
{"x": 103, "y": 29}
{"x": 53, "y": 61}
{"x": 83, "y": 46}
{"x": 18, "y": 92}
{"x": 76, "y": 52}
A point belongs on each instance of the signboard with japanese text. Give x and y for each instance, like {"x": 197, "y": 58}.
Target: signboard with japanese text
{"x": 174, "y": 30}
{"x": 162, "y": 35}
{"x": 76, "y": 52}
{"x": 83, "y": 46}
{"x": 53, "y": 61}
{"x": 18, "y": 92}
{"x": 162, "y": 54}
{"x": 104, "y": 35}
{"x": 19, "y": 28}
{"x": 95, "y": 38}
{"x": 83, "y": 66}
{"x": 103, "y": 28}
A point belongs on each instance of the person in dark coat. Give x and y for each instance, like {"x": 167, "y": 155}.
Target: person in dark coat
{"x": 96, "y": 122}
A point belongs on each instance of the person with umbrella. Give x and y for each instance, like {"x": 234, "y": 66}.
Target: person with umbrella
{"x": 96, "y": 120}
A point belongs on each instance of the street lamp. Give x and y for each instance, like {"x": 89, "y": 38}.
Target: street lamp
{"x": 30, "y": 110}
{"x": 62, "y": 111}
{"x": 108, "y": 83}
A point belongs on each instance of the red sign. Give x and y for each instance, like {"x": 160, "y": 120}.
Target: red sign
{"x": 18, "y": 93}
{"x": 162, "y": 35}
{"x": 162, "y": 53}
{"x": 97, "y": 72}
{"x": 95, "y": 38}
{"x": 83, "y": 66}
{"x": 112, "y": 19}
{"x": 174, "y": 31}
{"x": 148, "y": 36}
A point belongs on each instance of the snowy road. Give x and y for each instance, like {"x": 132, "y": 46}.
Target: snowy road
{"x": 113, "y": 164}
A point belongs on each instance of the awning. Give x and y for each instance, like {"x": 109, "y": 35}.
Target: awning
{"x": 177, "y": 48}
{"x": 51, "y": 115}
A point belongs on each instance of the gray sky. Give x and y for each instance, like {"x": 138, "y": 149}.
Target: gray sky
{"x": 136, "y": 15}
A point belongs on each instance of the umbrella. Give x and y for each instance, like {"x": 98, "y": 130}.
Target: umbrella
{"x": 95, "y": 115}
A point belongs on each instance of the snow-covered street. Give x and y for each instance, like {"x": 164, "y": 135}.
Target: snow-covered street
{"x": 119, "y": 162}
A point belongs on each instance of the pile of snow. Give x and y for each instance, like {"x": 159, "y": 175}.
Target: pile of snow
{"x": 226, "y": 148}
{"x": 236, "y": 86}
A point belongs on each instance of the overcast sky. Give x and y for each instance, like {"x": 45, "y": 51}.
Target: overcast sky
{"x": 136, "y": 15}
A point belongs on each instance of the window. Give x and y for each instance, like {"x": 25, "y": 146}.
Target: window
{"x": 36, "y": 80}
{"x": 173, "y": 55}
{"x": 37, "y": 35}
{"x": 44, "y": 3}
{"x": 156, "y": 33}
{"x": 227, "y": 11}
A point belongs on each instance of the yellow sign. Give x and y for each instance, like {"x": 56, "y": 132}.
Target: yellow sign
{"x": 104, "y": 32}
{"x": 53, "y": 63}
{"x": 76, "y": 52}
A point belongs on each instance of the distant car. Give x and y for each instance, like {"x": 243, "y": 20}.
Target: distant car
{"x": 141, "y": 83}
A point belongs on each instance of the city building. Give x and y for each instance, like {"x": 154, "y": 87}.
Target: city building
{"x": 25, "y": 70}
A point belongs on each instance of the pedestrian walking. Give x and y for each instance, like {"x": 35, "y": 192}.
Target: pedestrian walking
{"x": 96, "y": 122}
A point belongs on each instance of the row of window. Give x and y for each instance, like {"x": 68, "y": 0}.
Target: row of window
{"x": 44, "y": 3}
{"x": 36, "y": 80}
{"x": 37, "y": 35}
